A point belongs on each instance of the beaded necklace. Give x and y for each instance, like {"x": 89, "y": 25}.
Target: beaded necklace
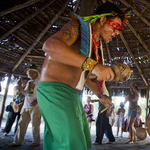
{"x": 96, "y": 47}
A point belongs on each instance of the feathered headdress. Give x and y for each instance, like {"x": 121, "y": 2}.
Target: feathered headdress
{"x": 126, "y": 14}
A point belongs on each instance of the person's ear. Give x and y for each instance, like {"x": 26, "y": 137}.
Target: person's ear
{"x": 102, "y": 21}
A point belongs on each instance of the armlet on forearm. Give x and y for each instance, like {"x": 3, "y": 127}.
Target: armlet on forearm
{"x": 89, "y": 64}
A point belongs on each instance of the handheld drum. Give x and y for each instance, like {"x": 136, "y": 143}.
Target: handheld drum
{"x": 141, "y": 133}
{"x": 122, "y": 72}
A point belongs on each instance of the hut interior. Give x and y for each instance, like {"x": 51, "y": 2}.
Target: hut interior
{"x": 26, "y": 24}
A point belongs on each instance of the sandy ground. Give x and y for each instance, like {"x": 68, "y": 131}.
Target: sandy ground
{"x": 118, "y": 145}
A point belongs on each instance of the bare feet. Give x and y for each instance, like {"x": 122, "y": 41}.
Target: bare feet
{"x": 148, "y": 143}
{"x": 108, "y": 142}
{"x": 131, "y": 142}
{"x": 34, "y": 144}
{"x": 95, "y": 143}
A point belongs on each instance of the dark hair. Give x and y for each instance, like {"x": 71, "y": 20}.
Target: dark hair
{"x": 121, "y": 104}
{"x": 109, "y": 8}
{"x": 136, "y": 88}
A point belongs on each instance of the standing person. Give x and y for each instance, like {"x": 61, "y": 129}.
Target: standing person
{"x": 147, "y": 126}
{"x": 132, "y": 97}
{"x": 112, "y": 115}
{"x": 71, "y": 53}
{"x": 119, "y": 122}
{"x": 30, "y": 110}
{"x": 18, "y": 97}
{"x": 89, "y": 109}
{"x": 103, "y": 126}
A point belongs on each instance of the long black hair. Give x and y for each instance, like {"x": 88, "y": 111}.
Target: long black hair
{"x": 109, "y": 8}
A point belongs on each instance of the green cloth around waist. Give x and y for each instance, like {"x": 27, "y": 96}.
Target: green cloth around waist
{"x": 66, "y": 125}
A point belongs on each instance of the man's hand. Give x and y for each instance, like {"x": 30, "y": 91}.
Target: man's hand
{"x": 106, "y": 101}
{"x": 33, "y": 103}
{"x": 103, "y": 72}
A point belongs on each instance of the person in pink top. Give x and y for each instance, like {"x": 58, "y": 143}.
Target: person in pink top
{"x": 89, "y": 109}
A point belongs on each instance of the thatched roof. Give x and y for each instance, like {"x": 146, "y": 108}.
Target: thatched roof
{"x": 26, "y": 24}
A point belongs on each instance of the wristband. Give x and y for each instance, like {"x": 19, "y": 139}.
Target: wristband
{"x": 89, "y": 64}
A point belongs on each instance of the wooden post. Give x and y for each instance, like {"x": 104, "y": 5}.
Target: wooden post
{"x": 147, "y": 102}
{"x": 4, "y": 99}
{"x": 87, "y": 7}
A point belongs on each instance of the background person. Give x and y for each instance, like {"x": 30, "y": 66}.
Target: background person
{"x": 119, "y": 121}
{"x": 103, "y": 126}
{"x": 30, "y": 111}
{"x": 132, "y": 97}
{"x": 112, "y": 115}
{"x": 18, "y": 97}
{"x": 89, "y": 109}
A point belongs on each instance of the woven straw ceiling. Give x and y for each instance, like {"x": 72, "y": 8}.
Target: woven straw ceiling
{"x": 25, "y": 25}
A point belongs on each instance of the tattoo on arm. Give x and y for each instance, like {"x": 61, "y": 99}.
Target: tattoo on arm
{"x": 69, "y": 31}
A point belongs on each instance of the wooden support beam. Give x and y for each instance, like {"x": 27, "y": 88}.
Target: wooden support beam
{"x": 43, "y": 57}
{"x": 126, "y": 87}
{"x": 28, "y": 3}
{"x": 25, "y": 20}
{"x": 4, "y": 99}
{"x": 138, "y": 37}
{"x": 15, "y": 74}
{"x": 41, "y": 34}
{"x": 145, "y": 2}
{"x": 20, "y": 39}
{"x": 108, "y": 51}
{"x": 136, "y": 12}
{"x": 132, "y": 56}
{"x": 147, "y": 97}
{"x": 76, "y": 6}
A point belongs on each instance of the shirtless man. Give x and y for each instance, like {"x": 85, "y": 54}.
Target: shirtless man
{"x": 133, "y": 111}
{"x": 68, "y": 57}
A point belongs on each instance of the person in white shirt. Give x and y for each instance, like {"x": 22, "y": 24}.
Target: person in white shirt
{"x": 30, "y": 111}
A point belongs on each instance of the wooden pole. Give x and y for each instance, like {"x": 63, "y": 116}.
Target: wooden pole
{"x": 136, "y": 12}
{"x": 41, "y": 34}
{"x": 131, "y": 54}
{"x": 4, "y": 99}
{"x": 139, "y": 37}
{"x": 28, "y": 3}
{"x": 147, "y": 102}
{"x": 26, "y": 20}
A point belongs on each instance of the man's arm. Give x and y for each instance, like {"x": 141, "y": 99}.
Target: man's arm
{"x": 58, "y": 47}
{"x": 126, "y": 99}
{"x": 93, "y": 87}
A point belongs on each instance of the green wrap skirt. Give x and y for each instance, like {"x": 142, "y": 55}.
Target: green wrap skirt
{"x": 66, "y": 125}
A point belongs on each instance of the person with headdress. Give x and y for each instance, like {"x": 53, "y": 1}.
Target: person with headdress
{"x": 132, "y": 97}
{"x": 30, "y": 111}
{"x": 12, "y": 115}
{"x": 119, "y": 121}
{"x": 73, "y": 54}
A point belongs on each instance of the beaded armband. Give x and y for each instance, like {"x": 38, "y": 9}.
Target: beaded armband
{"x": 89, "y": 64}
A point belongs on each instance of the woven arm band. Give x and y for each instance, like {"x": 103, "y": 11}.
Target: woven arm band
{"x": 89, "y": 64}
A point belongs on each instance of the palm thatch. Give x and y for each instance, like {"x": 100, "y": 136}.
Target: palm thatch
{"x": 26, "y": 24}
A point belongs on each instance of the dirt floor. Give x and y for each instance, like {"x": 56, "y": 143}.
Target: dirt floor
{"x": 118, "y": 145}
